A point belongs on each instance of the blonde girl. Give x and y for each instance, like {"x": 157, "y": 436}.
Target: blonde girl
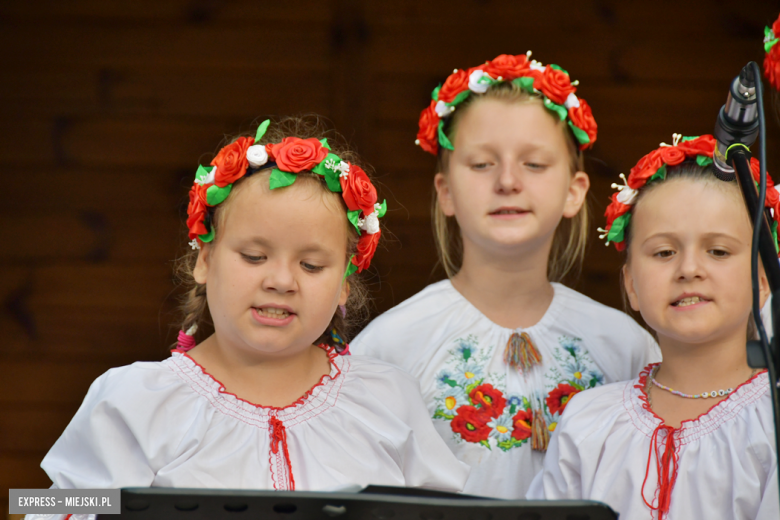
{"x": 280, "y": 223}
{"x": 691, "y": 437}
{"x": 501, "y": 346}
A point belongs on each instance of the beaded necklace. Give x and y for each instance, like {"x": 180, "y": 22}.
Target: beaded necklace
{"x": 703, "y": 395}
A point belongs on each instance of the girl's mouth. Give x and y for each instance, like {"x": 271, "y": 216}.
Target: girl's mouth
{"x": 273, "y": 312}
{"x": 508, "y": 212}
{"x": 689, "y": 300}
{"x": 273, "y": 316}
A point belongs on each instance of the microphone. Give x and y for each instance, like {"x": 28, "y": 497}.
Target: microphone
{"x": 737, "y": 122}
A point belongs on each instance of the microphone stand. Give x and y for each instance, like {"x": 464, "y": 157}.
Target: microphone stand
{"x": 764, "y": 352}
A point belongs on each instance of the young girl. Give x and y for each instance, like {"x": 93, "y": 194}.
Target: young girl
{"x": 280, "y": 224}
{"x": 500, "y": 347}
{"x": 692, "y": 437}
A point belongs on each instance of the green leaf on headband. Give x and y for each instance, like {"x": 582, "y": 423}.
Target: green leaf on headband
{"x": 324, "y": 142}
{"x": 580, "y": 134}
{"x": 774, "y": 233}
{"x": 659, "y": 175}
{"x": 435, "y": 93}
{"x": 215, "y": 194}
{"x": 558, "y": 67}
{"x": 203, "y": 172}
{"x": 703, "y": 160}
{"x": 280, "y": 179}
{"x": 460, "y": 98}
{"x": 351, "y": 268}
{"x": 261, "y": 130}
{"x": 328, "y": 164}
{"x": 689, "y": 138}
{"x": 769, "y": 39}
{"x": 208, "y": 237}
{"x": 443, "y": 139}
{"x": 526, "y": 83}
{"x": 382, "y": 209}
{"x": 332, "y": 180}
{"x": 353, "y": 217}
{"x": 618, "y": 229}
{"x": 555, "y": 107}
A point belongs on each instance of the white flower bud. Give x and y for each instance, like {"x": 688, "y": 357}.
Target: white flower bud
{"x": 442, "y": 110}
{"x": 475, "y": 85}
{"x": 626, "y": 196}
{"x": 370, "y": 224}
{"x": 256, "y": 155}
{"x": 571, "y": 101}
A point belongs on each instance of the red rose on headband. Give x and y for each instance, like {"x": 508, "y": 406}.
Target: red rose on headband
{"x": 456, "y": 83}
{"x": 196, "y": 211}
{"x": 366, "y": 247}
{"x": 582, "y": 118}
{"x": 231, "y": 161}
{"x": 703, "y": 145}
{"x": 672, "y": 155}
{"x": 359, "y": 193}
{"x": 295, "y": 155}
{"x": 644, "y": 169}
{"x": 427, "y": 135}
{"x": 772, "y": 65}
{"x": 555, "y": 84}
{"x": 615, "y": 209}
{"x": 508, "y": 67}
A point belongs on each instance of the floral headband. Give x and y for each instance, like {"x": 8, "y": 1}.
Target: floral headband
{"x": 293, "y": 155}
{"x": 772, "y": 49}
{"x": 551, "y": 82}
{"x": 652, "y": 168}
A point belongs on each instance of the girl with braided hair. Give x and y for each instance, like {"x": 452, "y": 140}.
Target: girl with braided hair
{"x": 691, "y": 437}
{"x": 501, "y": 346}
{"x": 281, "y": 224}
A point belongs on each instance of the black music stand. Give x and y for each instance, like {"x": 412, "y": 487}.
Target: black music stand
{"x": 399, "y": 504}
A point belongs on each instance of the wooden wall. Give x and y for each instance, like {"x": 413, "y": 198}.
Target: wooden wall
{"x": 107, "y": 107}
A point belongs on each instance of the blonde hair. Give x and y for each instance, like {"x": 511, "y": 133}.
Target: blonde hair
{"x": 571, "y": 235}
{"x": 194, "y": 307}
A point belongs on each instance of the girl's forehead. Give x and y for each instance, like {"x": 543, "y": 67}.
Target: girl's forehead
{"x": 699, "y": 205}
{"x": 493, "y": 121}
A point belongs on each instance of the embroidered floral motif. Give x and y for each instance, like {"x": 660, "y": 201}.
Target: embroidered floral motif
{"x": 577, "y": 372}
{"x": 481, "y": 411}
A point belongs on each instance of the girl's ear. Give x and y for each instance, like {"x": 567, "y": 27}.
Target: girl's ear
{"x": 344, "y": 293}
{"x": 443, "y": 194}
{"x": 628, "y": 285}
{"x": 202, "y": 264}
{"x": 578, "y": 189}
{"x": 763, "y": 285}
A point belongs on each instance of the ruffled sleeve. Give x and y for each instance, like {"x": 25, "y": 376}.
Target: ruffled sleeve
{"x": 129, "y": 425}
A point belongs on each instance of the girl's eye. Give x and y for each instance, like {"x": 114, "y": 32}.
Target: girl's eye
{"x": 312, "y": 268}
{"x": 479, "y": 166}
{"x": 535, "y": 166}
{"x": 252, "y": 259}
{"x": 719, "y": 253}
{"x": 664, "y": 254}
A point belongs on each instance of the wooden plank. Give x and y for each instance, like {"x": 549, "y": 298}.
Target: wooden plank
{"x": 41, "y": 382}
{"x": 78, "y": 190}
{"x": 32, "y": 429}
{"x": 185, "y": 11}
{"x": 300, "y": 46}
{"x": 23, "y": 471}
{"x": 91, "y": 236}
{"x": 172, "y": 91}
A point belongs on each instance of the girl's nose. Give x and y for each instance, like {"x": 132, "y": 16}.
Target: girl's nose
{"x": 279, "y": 278}
{"x": 691, "y": 265}
{"x": 508, "y": 178}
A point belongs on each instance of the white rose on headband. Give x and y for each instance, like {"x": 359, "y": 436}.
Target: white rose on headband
{"x": 571, "y": 101}
{"x": 475, "y": 85}
{"x": 535, "y": 65}
{"x": 442, "y": 110}
{"x": 626, "y": 196}
{"x": 256, "y": 155}
{"x": 370, "y": 224}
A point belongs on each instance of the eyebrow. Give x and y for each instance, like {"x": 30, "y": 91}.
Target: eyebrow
{"x": 309, "y": 248}
{"x": 710, "y": 235}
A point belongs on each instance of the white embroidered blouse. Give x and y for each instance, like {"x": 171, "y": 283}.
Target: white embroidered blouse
{"x": 611, "y": 447}
{"x": 482, "y": 407}
{"x": 170, "y": 424}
